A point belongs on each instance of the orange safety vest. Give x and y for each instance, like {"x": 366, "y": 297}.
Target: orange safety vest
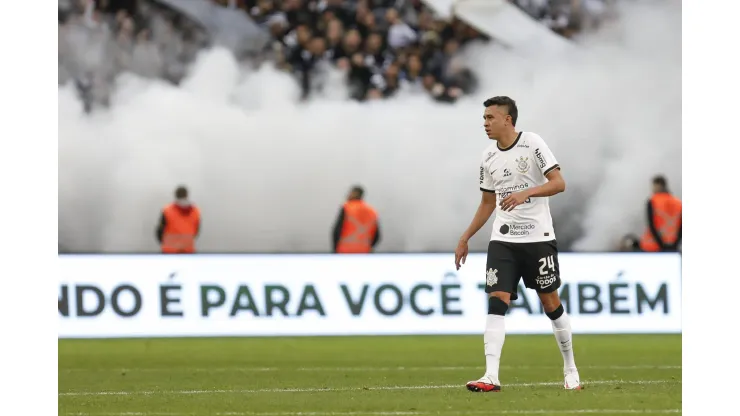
{"x": 667, "y": 220}
{"x": 180, "y": 229}
{"x": 358, "y": 228}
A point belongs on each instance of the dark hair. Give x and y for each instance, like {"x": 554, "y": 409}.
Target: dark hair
{"x": 181, "y": 192}
{"x": 660, "y": 181}
{"x": 504, "y": 101}
{"x": 358, "y": 190}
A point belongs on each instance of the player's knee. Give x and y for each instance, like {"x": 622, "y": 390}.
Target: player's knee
{"x": 557, "y": 313}
{"x": 550, "y": 301}
{"x": 504, "y": 296}
{"x": 497, "y": 306}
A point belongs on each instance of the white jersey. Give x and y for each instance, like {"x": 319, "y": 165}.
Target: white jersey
{"x": 522, "y": 166}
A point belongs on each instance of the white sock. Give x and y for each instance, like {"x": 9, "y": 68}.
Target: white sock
{"x": 561, "y": 328}
{"x": 493, "y": 342}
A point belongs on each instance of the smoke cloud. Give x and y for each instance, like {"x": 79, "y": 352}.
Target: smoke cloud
{"x": 270, "y": 173}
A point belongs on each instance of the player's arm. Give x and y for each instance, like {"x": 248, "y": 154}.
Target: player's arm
{"x": 678, "y": 236}
{"x": 550, "y": 169}
{"x": 337, "y": 231}
{"x": 197, "y": 227}
{"x": 160, "y": 228}
{"x": 487, "y": 202}
{"x": 376, "y": 238}
{"x": 548, "y": 165}
{"x": 555, "y": 184}
{"x": 653, "y": 228}
{"x": 485, "y": 210}
{"x": 482, "y": 214}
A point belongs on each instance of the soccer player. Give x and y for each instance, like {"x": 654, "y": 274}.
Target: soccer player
{"x": 520, "y": 172}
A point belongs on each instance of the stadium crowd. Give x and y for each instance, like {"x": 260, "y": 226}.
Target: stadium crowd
{"x": 382, "y": 46}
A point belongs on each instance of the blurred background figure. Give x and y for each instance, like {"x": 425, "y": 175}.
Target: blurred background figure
{"x": 356, "y": 229}
{"x": 179, "y": 225}
{"x": 664, "y": 219}
{"x": 629, "y": 243}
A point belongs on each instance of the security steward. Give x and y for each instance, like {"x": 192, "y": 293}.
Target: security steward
{"x": 356, "y": 229}
{"x": 179, "y": 225}
{"x": 664, "y": 220}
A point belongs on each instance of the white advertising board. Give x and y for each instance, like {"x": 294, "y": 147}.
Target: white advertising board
{"x": 278, "y": 295}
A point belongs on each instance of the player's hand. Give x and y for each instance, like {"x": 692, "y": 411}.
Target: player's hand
{"x": 514, "y": 200}
{"x": 461, "y": 252}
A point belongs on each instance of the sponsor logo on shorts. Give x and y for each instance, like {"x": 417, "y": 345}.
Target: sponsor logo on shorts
{"x": 517, "y": 229}
{"x": 540, "y": 158}
{"x": 545, "y": 281}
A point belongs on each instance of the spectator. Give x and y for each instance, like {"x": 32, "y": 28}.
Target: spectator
{"x": 179, "y": 225}
{"x": 351, "y": 44}
{"x": 663, "y": 232}
{"x": 334, "y": 35}
{"x": 377, "y": 58}
{"x": 262, "y": 11}
{"x": 400, "y": 35}
{"x": 338, "y": 9}
{"x": 392, "y": 80}
{"x": 305, "y": 61}
{"x": 411, "y": 77}
{"x": 356, "y": 229}
{"x": 359, "y": 77}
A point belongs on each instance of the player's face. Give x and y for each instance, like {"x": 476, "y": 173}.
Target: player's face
{"x": 495, "y": 121}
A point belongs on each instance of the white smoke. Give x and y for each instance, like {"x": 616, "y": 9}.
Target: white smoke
{"x": 270, "y": 173}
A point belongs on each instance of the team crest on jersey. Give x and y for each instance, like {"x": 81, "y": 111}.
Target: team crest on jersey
{"x": 521, "y": 164}
{"x": 491, "y": 278}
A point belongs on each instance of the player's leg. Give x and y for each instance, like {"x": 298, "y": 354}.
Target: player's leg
{"x": 542, "y": 273}
{"x": 502, "y": 277}
{"x": 563, "y": 335}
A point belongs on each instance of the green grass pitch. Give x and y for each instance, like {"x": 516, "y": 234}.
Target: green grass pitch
{"x": 393, "y": 375}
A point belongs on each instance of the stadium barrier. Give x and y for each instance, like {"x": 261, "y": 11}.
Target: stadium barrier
{"x": 103, "y": 296}
{"x": 506, "y": 23}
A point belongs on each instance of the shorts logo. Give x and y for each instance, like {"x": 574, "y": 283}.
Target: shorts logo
{"x": 491, "y": 278}
{"x": 521, "y": 164}
{"x": 545, "y": 281}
